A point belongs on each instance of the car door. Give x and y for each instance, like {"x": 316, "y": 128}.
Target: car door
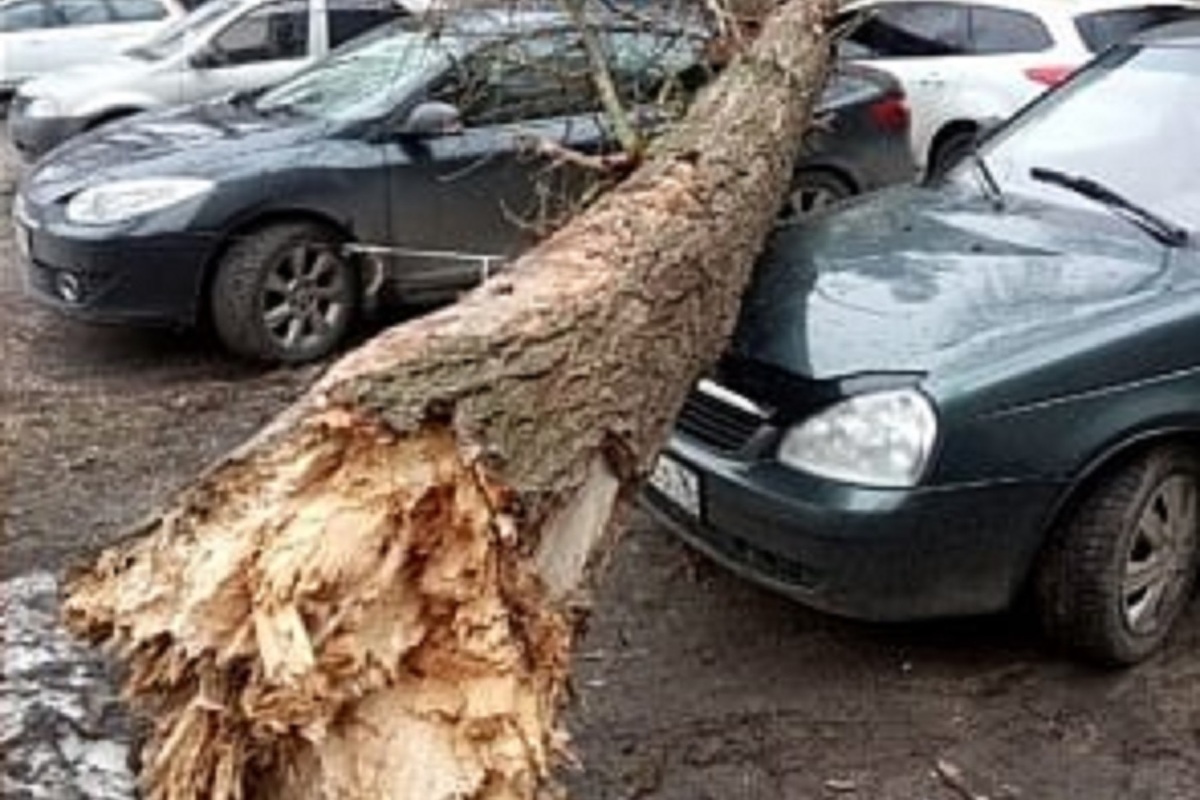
{"x": 24, "y": 25}
{"x": 465, "y": 202}
{"x": 262, "y": 46}
{"x": 925, "y": 45}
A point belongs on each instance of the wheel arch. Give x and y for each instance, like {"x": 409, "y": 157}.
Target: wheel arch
{"x": 110, "y": 115}
{"x": 1115, "y": 455}
{"x": 841, "y": 173}
{"x": 944, "y": 134}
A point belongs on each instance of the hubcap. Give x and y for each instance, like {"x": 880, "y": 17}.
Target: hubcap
{"x": 1160, "y": 553}
{"x": 304, "y": 298}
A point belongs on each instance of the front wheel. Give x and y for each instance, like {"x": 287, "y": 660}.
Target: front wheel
{"x": 1121, "y": 568}
{"x": 284, "y": 293}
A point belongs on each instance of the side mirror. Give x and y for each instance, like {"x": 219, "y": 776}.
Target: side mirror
{"x": 206, "y": 59}
{"x": 432, "y": 118}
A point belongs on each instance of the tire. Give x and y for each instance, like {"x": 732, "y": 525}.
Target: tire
{"x": 1120, "y": 569}
{"x": 814, "y": 190}
{"x": 948, "y": 152}
{"x": 284, "y": 294}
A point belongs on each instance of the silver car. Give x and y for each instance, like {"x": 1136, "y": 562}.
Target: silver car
{"x": 222, "y": 47}
{"x": 40, "y": 36}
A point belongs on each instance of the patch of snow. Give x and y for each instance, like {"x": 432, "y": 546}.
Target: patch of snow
{"x": 61, "y": 732}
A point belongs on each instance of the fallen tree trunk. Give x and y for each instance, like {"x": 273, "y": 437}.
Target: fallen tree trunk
{"x": 376, "y": 596}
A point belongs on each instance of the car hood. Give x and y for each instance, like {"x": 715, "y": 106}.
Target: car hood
{"x": 919, "y": 280}
{"x": 211, "y": 140}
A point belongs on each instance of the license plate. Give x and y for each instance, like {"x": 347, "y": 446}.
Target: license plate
{"x": 678, "y": 483}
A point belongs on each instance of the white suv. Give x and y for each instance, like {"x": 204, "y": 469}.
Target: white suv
{"x": 38, "y": 36}
{"x": 223, "y": 46}
{"x": 966, "y": 64}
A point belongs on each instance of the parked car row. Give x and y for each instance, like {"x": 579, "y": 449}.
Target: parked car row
{"x": 941, "y": 397}
{"x": 397, "y": 166}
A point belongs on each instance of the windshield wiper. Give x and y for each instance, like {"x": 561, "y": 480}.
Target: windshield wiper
{"x": 1163, "y": 230}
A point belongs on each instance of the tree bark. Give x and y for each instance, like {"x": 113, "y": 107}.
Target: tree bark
{"x": 376, "y": 596}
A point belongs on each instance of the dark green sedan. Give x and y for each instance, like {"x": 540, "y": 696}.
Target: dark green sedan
{"x": 942, "y": 399}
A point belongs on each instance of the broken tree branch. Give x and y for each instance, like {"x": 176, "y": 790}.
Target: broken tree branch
{"x": 376, "y": 596}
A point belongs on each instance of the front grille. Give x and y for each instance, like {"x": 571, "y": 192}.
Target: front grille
{"x": 717, "y": 422}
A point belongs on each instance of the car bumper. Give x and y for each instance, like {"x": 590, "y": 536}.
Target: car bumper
{"x": 152, "y": 280}
{"x": 33, "y": 137}
{"x": 873, "y": 554}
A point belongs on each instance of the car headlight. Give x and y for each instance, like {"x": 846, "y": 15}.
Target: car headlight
{"x": 879, "y": 439}
{"x": 42, "y": 107}
{"x": 121, "y": 201}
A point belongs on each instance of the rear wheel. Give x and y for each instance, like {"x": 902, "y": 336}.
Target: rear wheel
{"x": 1121, "y": 568}
{"x": 284, "y": 293}
{"x": 814, "y": 190}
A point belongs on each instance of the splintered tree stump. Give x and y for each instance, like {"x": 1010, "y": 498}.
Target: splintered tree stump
{"x": 375, "y": 597}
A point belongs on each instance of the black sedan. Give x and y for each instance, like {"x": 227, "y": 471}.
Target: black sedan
{"x": 402, "y": 166}
{"x": 942, "y": 399}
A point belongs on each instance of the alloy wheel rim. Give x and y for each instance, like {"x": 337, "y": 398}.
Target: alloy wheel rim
{"x": 1159, "y": 555}
{"x": 304, "y": 298}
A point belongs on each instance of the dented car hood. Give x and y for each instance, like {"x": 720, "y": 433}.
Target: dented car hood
{"x": 928, "y": 281}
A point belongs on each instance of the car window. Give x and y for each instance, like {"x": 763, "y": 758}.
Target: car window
{"x": 138, "y": 10}
{"x": 648, "y": 64}
{"x": 535, "y": 77}
{"x": 1000, "y": 30}
{"x": 271, "y": 32}
{"x": 366, "y": 80}
{"x": 1102, "y": 29}
{"x": 904, "y": 30}
{"x": 173, "y": 37}
{"x": 349, "y": 20}
{"x": 23, "y": 16}
{"x": 79, "y": 12}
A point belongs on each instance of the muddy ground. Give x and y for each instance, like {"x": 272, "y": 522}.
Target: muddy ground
{"x": 691, "y": 684}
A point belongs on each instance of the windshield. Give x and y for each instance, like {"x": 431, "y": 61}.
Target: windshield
{"x": 172, "y": 38}
{"x": 1127, "y": 122}
{"x": 365, "y": 81}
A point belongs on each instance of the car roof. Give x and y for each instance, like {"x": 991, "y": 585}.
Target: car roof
{"x": 1041, "y": 8}
{"x": 1176, "y": 34}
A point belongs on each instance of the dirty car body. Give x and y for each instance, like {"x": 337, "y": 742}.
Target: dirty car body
{"x": 928, "y": 389}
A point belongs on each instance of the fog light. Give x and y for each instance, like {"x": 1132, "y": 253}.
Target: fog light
{"x": 69, "y": 287}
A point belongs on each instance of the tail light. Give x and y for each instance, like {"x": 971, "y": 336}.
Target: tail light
{"x": 1049, "y": 76}
{"x": 890, "y": 113}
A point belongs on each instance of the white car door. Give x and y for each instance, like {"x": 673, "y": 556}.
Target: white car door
{"x": 924, "y": 44}
{"x": 258, "y": 48}
{"x": 82, "y": 33}
{"x": 24, "y": 28}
